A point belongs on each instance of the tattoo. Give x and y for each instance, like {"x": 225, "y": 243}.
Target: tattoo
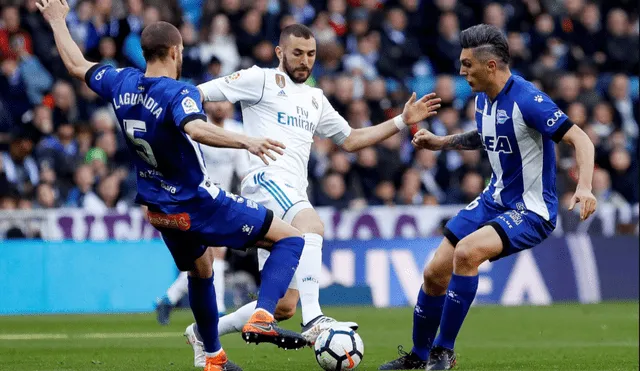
{"x": 468, "y": 140}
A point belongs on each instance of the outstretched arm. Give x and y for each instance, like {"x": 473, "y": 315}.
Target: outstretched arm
{"x": 427, "y": 140}
{"x": 55, "y": 12}
{"x": 414, "y": 112}
{"x": 214, "y": 136}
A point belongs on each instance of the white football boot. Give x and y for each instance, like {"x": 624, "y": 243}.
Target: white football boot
{"x": 199, "y": 359}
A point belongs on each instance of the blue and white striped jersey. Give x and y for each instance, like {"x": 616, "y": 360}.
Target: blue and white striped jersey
{"x": 518, "y": 130}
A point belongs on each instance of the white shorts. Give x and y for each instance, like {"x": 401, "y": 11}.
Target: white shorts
{"x": 277, "y": 193}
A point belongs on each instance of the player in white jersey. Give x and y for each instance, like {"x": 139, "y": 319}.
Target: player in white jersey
{"x": 222, "y": 164}
{"x": 276, "y": 101}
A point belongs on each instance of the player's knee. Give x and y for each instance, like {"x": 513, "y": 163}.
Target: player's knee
{"x": 203, "y": 266}
{"x": 464, "y": 255}
{"x": 435, "y": 280}
{"x": 317, "y": 227}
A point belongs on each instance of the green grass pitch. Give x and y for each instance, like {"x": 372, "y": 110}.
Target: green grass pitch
{"x": 558, "y": 337}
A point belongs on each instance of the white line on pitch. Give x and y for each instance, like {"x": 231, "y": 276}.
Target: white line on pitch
{"x": 33, "y": 336}
{"x": 128, "y": 335}
{"x": 95, "y": 335}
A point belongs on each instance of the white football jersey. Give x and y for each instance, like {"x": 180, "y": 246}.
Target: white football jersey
{"x": 222, "y": 163}
{"x": 275, "y": 107}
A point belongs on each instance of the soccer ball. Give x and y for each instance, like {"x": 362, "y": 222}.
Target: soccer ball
{"x": 339, "y": 348}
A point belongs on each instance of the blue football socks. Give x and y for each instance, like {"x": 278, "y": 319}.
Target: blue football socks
{"x": 278, "y": 271}
{"x": 202, "y": 298}
{"x": 460, "y": 295}
{"x": 426, "y": 319}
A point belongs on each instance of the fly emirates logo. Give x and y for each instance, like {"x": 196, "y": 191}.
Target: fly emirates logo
{"x": 299, "y": 120}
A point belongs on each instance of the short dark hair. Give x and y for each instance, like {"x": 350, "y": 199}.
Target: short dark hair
{"x": 157, "y": 39}
{"x": 297, "y": 30}
{"x": 486, "y": 39}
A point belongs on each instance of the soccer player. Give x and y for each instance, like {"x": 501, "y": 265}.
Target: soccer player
{"x": 222, "y": 164}
{"x": 278, "y": 102}
{"x": 163, "y": 122}
{"x": 517, "y": 126}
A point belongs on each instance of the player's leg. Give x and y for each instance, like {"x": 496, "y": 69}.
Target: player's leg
{"x": 175, "y": 292}
{"x": 469, "y": 253}
{"x": 314, "y": 322}
{"x": 506, "y": 234}
{"x": 431, "y": 296}
{"x": 239, "y": 223}
{"x": 257, "y": 189}
{"x": 276, "y": 276}
{"x": 427, "y": 311}
{"x": 195, "y": 258}
{"x": 286, "y": 308}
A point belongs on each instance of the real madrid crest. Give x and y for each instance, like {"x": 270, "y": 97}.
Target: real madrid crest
{"x": 232, "y": 77}
{"x": 280, "y": 81}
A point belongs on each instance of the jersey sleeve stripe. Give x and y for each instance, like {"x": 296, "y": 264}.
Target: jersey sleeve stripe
{"x": 192, "y": 117}
{"x": 562, "y": 130}
{"x": 264, "y": 82}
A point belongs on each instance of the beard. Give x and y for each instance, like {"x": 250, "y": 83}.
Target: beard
{"x": 299, "y": 70}
{"x": 179, "y": 69}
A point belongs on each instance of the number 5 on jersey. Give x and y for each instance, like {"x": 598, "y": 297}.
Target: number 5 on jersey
{"x": 144, "y": 149}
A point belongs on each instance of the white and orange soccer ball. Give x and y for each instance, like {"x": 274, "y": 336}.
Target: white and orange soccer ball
{"x": 339, "y": 348}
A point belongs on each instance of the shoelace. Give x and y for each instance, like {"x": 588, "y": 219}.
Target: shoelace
{"x": 324, "y": 319}
{"x": 401, "y": 351}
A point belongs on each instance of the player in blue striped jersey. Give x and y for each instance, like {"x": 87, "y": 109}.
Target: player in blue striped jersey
{"x": 163, "y": 121}
{"x": 518, "y": 126}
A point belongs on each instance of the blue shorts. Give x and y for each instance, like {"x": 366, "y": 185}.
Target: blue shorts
{"x": 228, "y": 220}
{"x": 518, "y": 230}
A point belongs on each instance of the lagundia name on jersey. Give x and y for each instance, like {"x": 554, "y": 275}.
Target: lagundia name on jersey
{"x": 273, "y": 106}
{"x": 132, "y": 99}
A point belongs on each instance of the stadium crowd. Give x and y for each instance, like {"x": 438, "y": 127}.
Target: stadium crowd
{"x": 60, "y": 145}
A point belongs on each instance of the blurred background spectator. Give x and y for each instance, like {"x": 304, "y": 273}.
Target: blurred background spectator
{"x": 61, "y": 146}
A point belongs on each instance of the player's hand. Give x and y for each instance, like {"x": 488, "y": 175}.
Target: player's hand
{"x": 418, "y": 110}
{"x": 262, "y": 147}
{"x": 588, "y": 201}
{"x": 427, "y": 140}
{"x": 53, "y": 10}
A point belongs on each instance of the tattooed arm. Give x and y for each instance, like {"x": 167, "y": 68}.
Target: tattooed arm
{"x": 426, "y": 139}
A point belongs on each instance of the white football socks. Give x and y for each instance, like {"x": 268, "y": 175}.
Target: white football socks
{"x": 219, "y": 266}
{"x": 178, "y": 288}
{"x": 308, "y": 277}
{"x": 233, "y": 322}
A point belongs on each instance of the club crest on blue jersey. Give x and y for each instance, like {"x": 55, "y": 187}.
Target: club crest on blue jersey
{"x": 501, "y": 116}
